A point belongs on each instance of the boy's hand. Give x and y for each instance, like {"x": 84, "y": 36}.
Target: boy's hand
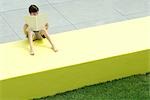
{"x": 31, "y": 52}
{"x": 54, "y": 49}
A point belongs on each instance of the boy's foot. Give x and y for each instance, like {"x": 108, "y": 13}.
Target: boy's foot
{"x": 31, "y": 52}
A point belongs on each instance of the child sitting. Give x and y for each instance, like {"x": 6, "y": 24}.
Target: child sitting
{"x": 36, "y": 35}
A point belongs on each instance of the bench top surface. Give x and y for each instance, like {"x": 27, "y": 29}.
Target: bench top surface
{"x": 74, "y": 47}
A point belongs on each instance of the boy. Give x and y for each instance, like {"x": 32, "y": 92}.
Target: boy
{"x": 36, "y": 35}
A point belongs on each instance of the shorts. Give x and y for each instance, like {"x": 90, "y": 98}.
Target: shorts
{"x": 37, "y": 35}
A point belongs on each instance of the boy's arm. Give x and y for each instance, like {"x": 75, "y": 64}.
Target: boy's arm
{"x": 47, "y": 36}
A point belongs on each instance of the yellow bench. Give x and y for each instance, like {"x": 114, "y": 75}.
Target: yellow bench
{"x": 85, "y": 57}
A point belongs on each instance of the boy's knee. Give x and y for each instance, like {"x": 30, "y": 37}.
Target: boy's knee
{"x": 43, "y": 31}
{"x": 27, "y": 30}
{"x": 30, "y": 33}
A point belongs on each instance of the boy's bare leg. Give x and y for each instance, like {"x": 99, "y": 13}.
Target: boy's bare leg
{"x": 45, "y": 32}
{"x": 31, "y": 42}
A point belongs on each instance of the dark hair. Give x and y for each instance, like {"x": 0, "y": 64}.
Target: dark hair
{"x": 33, "y": 8}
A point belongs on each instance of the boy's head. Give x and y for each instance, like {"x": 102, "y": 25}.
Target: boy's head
{"x": 33, "y": 10}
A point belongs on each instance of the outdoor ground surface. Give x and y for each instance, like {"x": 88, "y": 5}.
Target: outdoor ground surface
{"x": 135, "y": 87}
{"x": 67, "y": 15}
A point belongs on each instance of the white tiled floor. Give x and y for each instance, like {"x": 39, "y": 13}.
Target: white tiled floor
{"x": 15, "y": 20}
{"x": 58, "y": 1}
{"x": 37, "y": 2}
{"x": 55, "y": 18}
{"x": 7, "y": 5}
{"x": 79, "y": 11}
{"x": 6, "y": 33}
{"x": 127, "y": 7}
{"x": 66, "y": 15}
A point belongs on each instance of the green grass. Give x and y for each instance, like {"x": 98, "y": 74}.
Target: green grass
{"x": 130, "y": 88}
